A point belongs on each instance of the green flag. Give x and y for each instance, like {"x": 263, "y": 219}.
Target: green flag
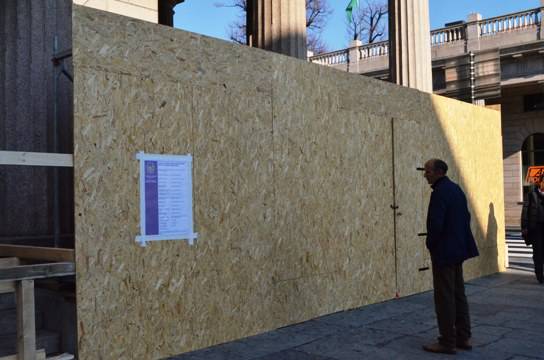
{"x": 349, "y": 9}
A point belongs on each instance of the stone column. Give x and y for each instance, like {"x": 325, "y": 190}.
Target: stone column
{"x": 473, "y": 32}
{"x": 541, "y": 19}
{"x": 353, "y": 53}
{"x": 410, "y": 44}
{"x": 277, "y": 25}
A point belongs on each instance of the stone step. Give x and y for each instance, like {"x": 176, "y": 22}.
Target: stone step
{"x": 520, "y": 246}
{"x": 48, "y": 340}
{"x": 517, "y": 250}
{"x": 519, "y": 253}
{"x": 515, "y": 260}
{"x": 528, "y": 256}
{"x": 520, "y": 240}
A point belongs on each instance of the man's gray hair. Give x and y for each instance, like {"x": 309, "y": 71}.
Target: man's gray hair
{"x": 439, "y": 165}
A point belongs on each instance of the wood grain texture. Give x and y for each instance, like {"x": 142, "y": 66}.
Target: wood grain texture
{"x": 36, "y": 271}
{"x": 35, "y": 159}
{"x": 37, "y": 253}
{"x": 8, "y": 286}
{"x": 26, "y": 322}
{"x": 293, "y": 183}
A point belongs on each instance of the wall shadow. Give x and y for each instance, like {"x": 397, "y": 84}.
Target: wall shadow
{"x": 475, "y": 152}
{"x": 491, "y": 234}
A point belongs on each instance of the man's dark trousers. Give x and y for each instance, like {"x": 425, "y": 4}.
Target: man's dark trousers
{"x": 451, "y": 304}
{"x": 538, "y": 254}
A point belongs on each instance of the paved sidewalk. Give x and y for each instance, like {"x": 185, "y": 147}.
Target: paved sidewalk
{"x": 507, "y": 312}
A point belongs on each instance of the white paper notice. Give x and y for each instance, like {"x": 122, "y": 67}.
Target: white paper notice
{"x": 173, "y": 217}
{"x": 166, "y": 198}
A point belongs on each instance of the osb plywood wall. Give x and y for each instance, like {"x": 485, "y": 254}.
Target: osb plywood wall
{"x": 293, "y": 187}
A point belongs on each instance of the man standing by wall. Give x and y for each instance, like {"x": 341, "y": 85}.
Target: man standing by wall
{"x": 450, "y": 242}
{"x": 532, "y": 225}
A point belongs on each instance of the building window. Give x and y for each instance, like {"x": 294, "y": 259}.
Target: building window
{"x": 532, "y": 154}
{"x": 439, "y": 79}
{"x": 533, "y": 102}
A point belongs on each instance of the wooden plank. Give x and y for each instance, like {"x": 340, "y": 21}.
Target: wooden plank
{"x": 37, "y": 252}
{"x": 36, "y": 159}
{"x": 37, "y": 271}
{"x": 26, "y": 326}
{"x": 40, "y": 355}
{"x": 64, "y": 356}
{"x": 8, "y": 286}
{"x": 9, "y": 262}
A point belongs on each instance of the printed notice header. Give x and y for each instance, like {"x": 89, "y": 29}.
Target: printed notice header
{"x": 166, "y": 198}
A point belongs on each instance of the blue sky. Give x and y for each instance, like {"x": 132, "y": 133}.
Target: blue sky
{"x": 204, "y": 17}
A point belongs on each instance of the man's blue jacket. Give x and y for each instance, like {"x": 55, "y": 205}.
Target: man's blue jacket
{"x": 449, "y": 238}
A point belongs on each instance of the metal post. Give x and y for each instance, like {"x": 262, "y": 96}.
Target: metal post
{"x": 58, "y": 59}
{"x": 56, "y": 215}
{"x": 472, "y": 79}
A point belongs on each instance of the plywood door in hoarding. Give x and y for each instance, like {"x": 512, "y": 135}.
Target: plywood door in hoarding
{"x": 411, "y": 199}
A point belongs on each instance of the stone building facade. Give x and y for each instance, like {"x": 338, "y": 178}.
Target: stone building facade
{"x": 36, "y": 203}
{"x": 141, "y": 9}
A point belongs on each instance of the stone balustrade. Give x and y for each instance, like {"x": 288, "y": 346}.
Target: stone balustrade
{"x": 473, "y": 35}
{"x": 448, "y": 35}
{"x": 375, "y": 49}
{"x": 331, "y": 58}
{"x": 510, "y": 22}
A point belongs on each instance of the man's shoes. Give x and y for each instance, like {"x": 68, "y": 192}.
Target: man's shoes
{"x": 464, "y": 344}
{"x": 439, "y": 348}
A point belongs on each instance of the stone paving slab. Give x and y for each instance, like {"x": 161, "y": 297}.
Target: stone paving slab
{"x": 294, "y": 355}
{"x": 517, "y": 347}
{"x": 353, "y": 351}
{"x": 507, "y": 311}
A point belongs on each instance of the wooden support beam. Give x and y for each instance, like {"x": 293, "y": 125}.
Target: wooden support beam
{"x": 37, "y": 253}
{"x": 64, "y": 356}
{"x": 26, "y": 320}
{"x": 37, "y": 271}
{"x": 36, "y": 159}
{"x": 7, "y": 286}
{"x": 9, "y": 262}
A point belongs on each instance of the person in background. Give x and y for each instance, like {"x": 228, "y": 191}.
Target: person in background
{"x": 532, "y": 225}
{"x": 450, "y": 242}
